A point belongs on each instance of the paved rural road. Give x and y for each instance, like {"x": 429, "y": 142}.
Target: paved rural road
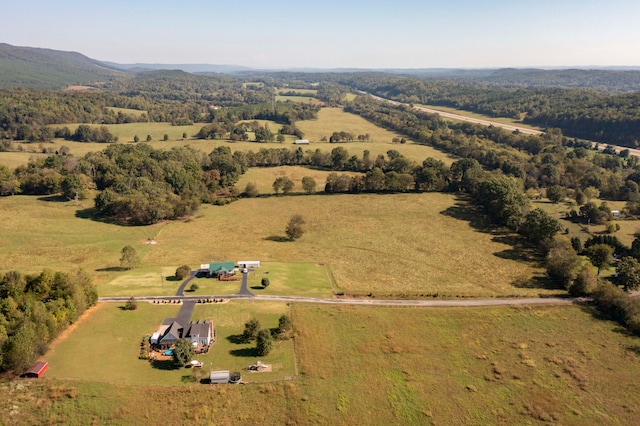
{"x": 509, "y": 127}
{"x": 371, "y": 302}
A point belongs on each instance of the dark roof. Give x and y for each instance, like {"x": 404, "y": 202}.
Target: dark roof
{"x": 174, "y": 332}
{"x": 200, "y": 328}
{"x": 168, "y": 321}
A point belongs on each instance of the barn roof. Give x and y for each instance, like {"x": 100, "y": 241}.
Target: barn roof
{"x": 221, "y": 266}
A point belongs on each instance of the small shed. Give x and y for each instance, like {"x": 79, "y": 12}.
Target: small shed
{"x": 615, "y": 213}
{"x": 155, "y": 338}
{"x": 301, "y": 142}
{"x": 251, "y": 264}
{"x": 36, "y": 370}
{"x": 218, "y": 377}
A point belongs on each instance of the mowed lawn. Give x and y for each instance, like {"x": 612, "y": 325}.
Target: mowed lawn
{"x": 473, "y": 366}
{"x": 104, "y": 346}
{"x": 416, "y": 244}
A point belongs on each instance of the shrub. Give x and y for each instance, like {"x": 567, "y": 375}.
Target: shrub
{"x": 183, "y": 272}
{"x": 265, "y": 282}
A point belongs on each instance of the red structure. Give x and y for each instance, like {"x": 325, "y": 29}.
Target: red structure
{"x": 36, "y": 370}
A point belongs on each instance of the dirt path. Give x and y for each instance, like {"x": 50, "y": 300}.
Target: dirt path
{"x": 73, "y": 326}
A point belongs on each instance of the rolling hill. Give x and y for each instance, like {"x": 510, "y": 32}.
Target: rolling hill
{"x": 49, "y": 69}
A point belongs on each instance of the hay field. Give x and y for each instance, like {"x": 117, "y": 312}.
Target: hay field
{"x": 466, "y": 366}
{"x": 380, "y": 244}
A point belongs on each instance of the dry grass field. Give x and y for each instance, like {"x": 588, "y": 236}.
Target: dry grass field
{"x": 473, "y": 366}
{"x": 264, "y": 177}
{"x": 388, "y": 245}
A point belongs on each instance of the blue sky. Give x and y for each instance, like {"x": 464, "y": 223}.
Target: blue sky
{"x": 332, "y": 33}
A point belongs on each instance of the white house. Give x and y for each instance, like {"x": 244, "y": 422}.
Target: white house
{"x": 248, "y": 264}
{"x": 217, "y": 377}
{"x": 301, "y": 142}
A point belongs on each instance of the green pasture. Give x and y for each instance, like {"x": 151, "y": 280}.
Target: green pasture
{"x": 499, "y": 365}
{"x": 129, "y": 111}
{"x": 307, "y": 99}
{"x": 292, "y": 279}
{"x": 147, "y": 281}
{"x": 264, "y": 177}
{"x": 505, "y": 365}
{"x": 300, "y": 92}
{"x": 15, "y": 159}
{"x": 104, "y": 347}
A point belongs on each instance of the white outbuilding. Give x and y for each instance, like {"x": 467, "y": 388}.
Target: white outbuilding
{"x": 248, "y": 264}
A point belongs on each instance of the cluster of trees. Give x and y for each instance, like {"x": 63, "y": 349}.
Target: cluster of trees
{"x": 34, "y": 309}
{"x": 138, "y": 185}
{"x": 265, "y": 337}
{"x": 86, "y": 133}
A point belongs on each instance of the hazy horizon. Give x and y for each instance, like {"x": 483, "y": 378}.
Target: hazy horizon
{"x": 349, "y": 34}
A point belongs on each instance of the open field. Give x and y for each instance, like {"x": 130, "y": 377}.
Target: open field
{"x": 263, "y": 177}
{"x": 148, "y": 281}
{"x": 134, "y": 112}
{"x": 42, "y": 232}
{"x": 434, "y": 244}
{"x": 110, "y": 338}
{"x": 329, "y": 120}
{"x": 466, "y": 366}
{"x": 360, "y": 365}
{"x": 307, "y": 99}
{"x": 297, "y": 91}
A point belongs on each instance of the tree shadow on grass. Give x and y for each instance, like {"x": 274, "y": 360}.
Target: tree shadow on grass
{"x": 112, "y": 269}
{"x": 257, "y": 287}
{"x": 91, "y": 213}
{"x": 166, "y": 365}
{"x": 171, "y": 278}
{"x": 464, "y": 210}
{"x": 245, "y": 352}
{"x": 277, "y": 238}
{"x": 236, "y": 339}
{"x": 53, "y": 198}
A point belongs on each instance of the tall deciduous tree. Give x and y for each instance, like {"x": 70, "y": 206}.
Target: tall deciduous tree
{"x": 183, "y": 352}
{"x": 309, "y": 184}
{"x": 295, "y": 227}
{"x": 629, "y": 273}
{"x": 600, "y": 255}
{"x": 264, "y": 342}
{"x": 129, "y": 257}
{"x": 539, "y": 226}
{"x": 251, "y": 329}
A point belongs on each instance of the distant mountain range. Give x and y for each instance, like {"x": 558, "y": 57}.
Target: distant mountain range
{"x": 54, "y": 69}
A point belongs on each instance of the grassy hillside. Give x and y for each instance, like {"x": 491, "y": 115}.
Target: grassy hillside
{"x": 48, "y": 69}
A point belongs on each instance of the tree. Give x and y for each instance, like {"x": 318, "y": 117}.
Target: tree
{"x": 280, "y": 138}
{"x": 295, "y": 227}
{"x": 265, "y": 282}
{"x": 562, "y": 262}
{"x": 284, "y": 325}
{"x": 264, "y": 342}
{"x": 251, "y": 329}
{"x": 309, "y": 184}
{"x": 251, "y": 190}
{"x": 194, "y": 287}
{"x": 184, "y": 135}
{"x": 183, "y": 352}
{"x": 629, "y": 273}
{"x": 148, "y": 138}
{"x": 183, "y": 272}
{"x": 129, "y": 258}
{"x": 165, "y": 137}
{"x": 136, "y": 138}
{"x": 556, "y": 193}
{"x": 585, "y": 283}
{"x": 131, "y": 305}
{"x": 283, "y": 183}
{"x": 539, "y": 226}
{"x": 600, "y": 255}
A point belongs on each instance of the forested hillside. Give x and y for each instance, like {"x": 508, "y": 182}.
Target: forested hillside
{"x": 49, "y": 69}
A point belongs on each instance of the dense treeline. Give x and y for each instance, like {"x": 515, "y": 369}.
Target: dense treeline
{"x": 34, "y": 309}
{"x": 581, "y": 113}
